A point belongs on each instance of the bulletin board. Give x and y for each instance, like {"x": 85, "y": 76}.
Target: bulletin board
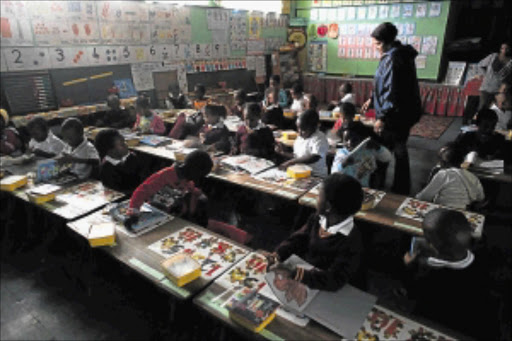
{"x": 348, "y": 25}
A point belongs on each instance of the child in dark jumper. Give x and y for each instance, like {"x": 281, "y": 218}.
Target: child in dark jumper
{"x": 254, "y": 138}
{"x": 214, "y": 134}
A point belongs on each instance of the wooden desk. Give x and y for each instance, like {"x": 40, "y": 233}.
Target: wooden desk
{"x": 487, "y": 175}
{"x": 134, "y": 253}
{"x": 159, "y": 151}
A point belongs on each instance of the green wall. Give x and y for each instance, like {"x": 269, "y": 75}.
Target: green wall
{"x": 428, "y": 26}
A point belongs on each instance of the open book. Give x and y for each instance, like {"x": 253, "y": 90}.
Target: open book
{"x": 248, "y": 163}
{"x": 149, "y": 217}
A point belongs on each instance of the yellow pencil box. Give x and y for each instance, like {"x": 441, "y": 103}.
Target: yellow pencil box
{"x": 132, "y": 142}
{"x": 13, "y": 182}
{"x": 102, "y": 235}
{"x": 289, "y": 135}
{"x": 181, "y": 269}
{"x": 40, "y": 199}
{"x": 289, "y": 114}
{"x": 298, "y": 171}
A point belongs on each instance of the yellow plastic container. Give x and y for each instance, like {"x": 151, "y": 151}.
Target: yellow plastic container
{"x": 247, "y": 324}
{"x": 289, "y": 135}
{"x": 181, "y": 269}
{"x": 132, "y": 142}
{"x": 40, "y": 199}
{"x": 102, "y": 235}
{"x": 368, "y": 202}
{"x": 298, "y": 171}
{"x": 13, "y": 182}
{"x": 289, "y": 114}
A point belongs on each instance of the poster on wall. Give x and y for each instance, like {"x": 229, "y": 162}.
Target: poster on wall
{"x": 217, "y": 19}
{"x": 15, "y": 31}
{"x": 255, "y": 20}
{"x": 255, "y": 46}
{"x": 26, "y": 58}
{"x": 238, "y": 30}
{"x": 142, "y": 74}
{"x": 66, "y": 57}
{"x": 455, "y": 73}
{"x": 134, "y": 11}
{"x": 317, "y": 54}
{"x": 429, "y": 45}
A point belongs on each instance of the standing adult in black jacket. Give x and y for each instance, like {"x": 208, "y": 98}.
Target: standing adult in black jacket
{"x": 396, "y": 99}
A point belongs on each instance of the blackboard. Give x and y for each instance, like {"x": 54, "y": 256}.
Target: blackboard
{"x": 234, "y": 79}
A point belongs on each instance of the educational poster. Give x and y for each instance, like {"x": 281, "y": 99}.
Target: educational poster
{"x": 135, "y": 11}
{"x": 104, "y": 55}
{"x": 142, "y": 74}
{"x": 15, "y": 31}
{"x": 217, "y": 19}
{"x": 260, "y": 67}
{"x": 202, "y": 51}
{"x": 415, "y": 209}
{"x": 238, "y": 30}
{"x": 26, "y": 58}
{"x": 429, "y": 45}
{"x": 317, "y": 56}
{"x": 50, "y": 32}
{"x": 65, "y": 57}
{"x": 421, "y": 62}
{"x": 414, "y": 41}
{"x": 82, "y": 33}
{"x": 215, "y": 254}
{"x": 435, "y": 9}
{"x": 161, "y": 53}
{"x": 255, "y": 21}
{"x": 220, "y": 50}
{"x": 125, "y": 33}
{"x": 255, "y": 46}
{"x": 182, "y": 78}
{"x": 383, "y": 12}
{"x": 407, "y": 10}
{"x": 395, "y": 11}
{"x": 133, "y": 54}
{"x": 170, "y": 13}
{"x": 421, "y": 10}
{"x": 383, "y": 324}
{"x": 15, "y": 9}
{"x": 455, "y": 73}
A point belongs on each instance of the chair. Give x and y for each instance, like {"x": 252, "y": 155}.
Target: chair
{"x": 229, "y": 231}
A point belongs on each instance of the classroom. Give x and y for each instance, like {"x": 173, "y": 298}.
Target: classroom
{"x": 256, "y": 170}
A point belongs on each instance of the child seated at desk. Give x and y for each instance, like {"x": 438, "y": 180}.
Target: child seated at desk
{"x": 43, "y": 142}
{"x": 117, "y": 117}
{"x": 147, "y": 122}
{"x": 79, "y": 152}
{"x": 450, "y": 185}
{"x": 298, "y": 98}
{"x": 281, "y": 98}
{"x": 200, "y": 97}
{"x": 254, "y": 138}
{"x": 362, "y": 165}
{"x": 175, "y": 99}
{"x": 345, "y": 96}
{"x": 240, "y": 97}
{"x": 214, "y": 134}
{"x": 444, "y": 272}
{"x": 310, "y": 102}
{"x": 273, "y": 113}
{"x": 502, "y": 106}
{"x": 10, "y": 141}
{"x": 348, "y": 112}
{"x": 310, "y": 147}
{"x": 182, "y": 177}
{"x": 329, "y": 240}
{"x": 120, "y": 169}
{"x": 485, "y": 141}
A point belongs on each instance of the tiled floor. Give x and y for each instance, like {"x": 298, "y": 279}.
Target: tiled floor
{"x": 39, "y": 302}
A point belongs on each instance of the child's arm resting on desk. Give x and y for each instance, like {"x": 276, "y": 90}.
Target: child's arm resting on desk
{"x": 68, "y": 158}
{"x": 297, "y": 243}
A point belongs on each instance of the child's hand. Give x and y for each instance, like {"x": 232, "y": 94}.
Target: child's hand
{"x": 130, "y": 221}
{"x": 285, "y": 165}
{"x": 347, "y": 162}
{"x": 366, "y": 106}
{"x": 408, "y": 258}
{"x": 272, "y": 126}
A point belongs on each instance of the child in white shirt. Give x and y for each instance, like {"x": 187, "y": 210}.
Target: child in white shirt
{"x": 79, "y": 152}
{"x": 298, "y": 98}
{"x": 502, "y": 106}
{"x": 43, "y": 142}
{"x": 310, "y": 147}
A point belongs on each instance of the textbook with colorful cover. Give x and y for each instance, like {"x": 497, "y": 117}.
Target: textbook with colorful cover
{"x": 149, "y": 217}
{"x": 252, "y": 310}
{"x": 154, "y": 140}
{"x": 250, "y": 164}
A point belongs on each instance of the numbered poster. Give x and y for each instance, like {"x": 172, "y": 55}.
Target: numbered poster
{"x": 82, "y": 33}
{"x": 104, "y": 55}
{"x": 65, "y": 57}
{"x": 47, "y": 32}
{"x": 27, "y": 58}
{"x": 3, "y": 63}
{"x": 134, "y": 11}
{"x": 15, "y": 9}
{"x": 15, "y": 32}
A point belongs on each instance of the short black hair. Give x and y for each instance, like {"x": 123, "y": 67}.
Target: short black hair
{"x": 486, "y": 115}
{"x": 253, "y": 109}
{"x": 276, "y": 79}
{"x": 446, "y": 229}
{"x": 297, "y": 88}
{"x": 197, "y": 165}
{"x": 73, "y": 123}
{"x": 240, "y": 93}
{"x": 112, "y": 97}
{"x": 452, "y": 153}
{"x": 142, "y": 102}
{"x": 309, "y": 119}
{"x": 215, "y": 110}
{"x": 105, "y": 140}
{"x": 348, "y": 87}
{"x": 313, "y": 101}
{"x": 199, "y": 87}
{"x": 385, "y": 32}
{"x": 37, "y": 123}
{"x": 344, "y": 193}
{"x": 356, "y": 127}
{"x": 348, "y": 109}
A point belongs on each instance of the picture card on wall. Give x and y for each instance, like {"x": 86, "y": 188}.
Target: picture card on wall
{"x": 421, "y": 62}
{"x": 415, "y": 41}
{"x": 15, "y": 32}
{"x": 407, "y": 10}
{"x": 351, "y": 13}
{"x": 361, "y": 13}
{"x": 421, "y": 10}
{"x": 372, "y": 12}
{"x": 313, "y": 15}
{"x": 395, "y": 11}
{"x": 429, "y": 45}
{"x": 435, "y": 9}
{"x": 383, "y": 12}
{"x": 341, "y": 14}
{"x": 65, "y": 57}
{"x": 27, "y": 58}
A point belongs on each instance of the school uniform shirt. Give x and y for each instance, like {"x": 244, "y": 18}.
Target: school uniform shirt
{"x": 121, "y": 175}
{"x": 217, "y": 135}
{"x": 504, "y": 118}
{"x": 298, "y": 105}
{"x": 52, "y": 144}
{"x": 316, "y": 144}
{"x": 365, "y": 163}
{"x": 348, "y": 98}
{"x": 492, "y": 147}
{"x": 283, "y": 99}
{"x": 153, "y": 124}
{"x": 85, "y": 150}
{"x": 494, "y": 73}
{"x": 165, "y": 177}
{"x": 238, "y": 111}
{"x": 335, "y": 252}
{"x": 10, "y": 142}
{"x": 258, "y": 142}
{"x": 453, "y": 187}
{"x": 273, "y": 115}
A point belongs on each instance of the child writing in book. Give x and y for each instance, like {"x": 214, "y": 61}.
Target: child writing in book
{"x": 147, "y": 122}
{"x": 182, "y": 177}
{"x": 43, "y": 142}
{"x": 310, "y": 147}
{"x": 120, "y": 169}
{"x": 240, "y": 97}
{"x": 329, "y": 240}
{"x": 214, "y": 134}
{"x": 347, "y": 113}
{"x": 298, "y": 98}
{"x": 10, "y": 141}
{"x": 254, "y": 138}
{"x": 450, "y": 185}
{"x": 117, "y": 116}
{"x": 356, "y": 159}
{"x": 345, "y": 96}
{"x": 79, "y": 152}
{"x": 273, "y": 113}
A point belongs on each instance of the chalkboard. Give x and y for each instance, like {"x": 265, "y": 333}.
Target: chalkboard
{"x": 234, "y": 79}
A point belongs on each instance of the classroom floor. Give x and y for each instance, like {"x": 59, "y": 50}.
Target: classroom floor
{"x": 40, "y": 301}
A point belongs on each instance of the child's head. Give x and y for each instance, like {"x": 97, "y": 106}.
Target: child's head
{"x": 506, "y": 49}
{"x": 214, "y": 113}
{"x": 354, "y": 134}
{"x": 451, "y": 155}
{"x": 297, "y": 91}
{"x": 348, "y": 112}
{"x": 310, "y": 101}
{"x": 142, "y": 106}
{"x": 486, "y": 120}
{"x": 272, "y": 95}
{"x": 274, "y": 81}
{"x": 448, "y": 231}
{"x": 113, "y": 102}
{"x": 307, "y": 123}
{"x": 200, "y": 91}
{"x": 4, "y": 119}
{"x": 197, "y": 165}
{"x": 503, "y": 97}
{"x": 345, "y": 88}
{"x": 240, "y": 97}
{"x": 110, "y": 142}
{"x": 340, "y": 194}
{"x": 72, "y": 132}
{"x": 38, "y": 129}
{"x": 252, "y": 115}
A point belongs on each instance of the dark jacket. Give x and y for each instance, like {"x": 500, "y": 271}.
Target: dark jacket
{"x": 336, "y": 258}
{"x": 115, "y": 119}
{"x": 396, "y": 95}
{"x": 219, "y": 137}
{"x": 123, "y": 177}
{"x": 259, "y": 143}
{"x": 274, "y": 116}
{"x": 490, "y": 148}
